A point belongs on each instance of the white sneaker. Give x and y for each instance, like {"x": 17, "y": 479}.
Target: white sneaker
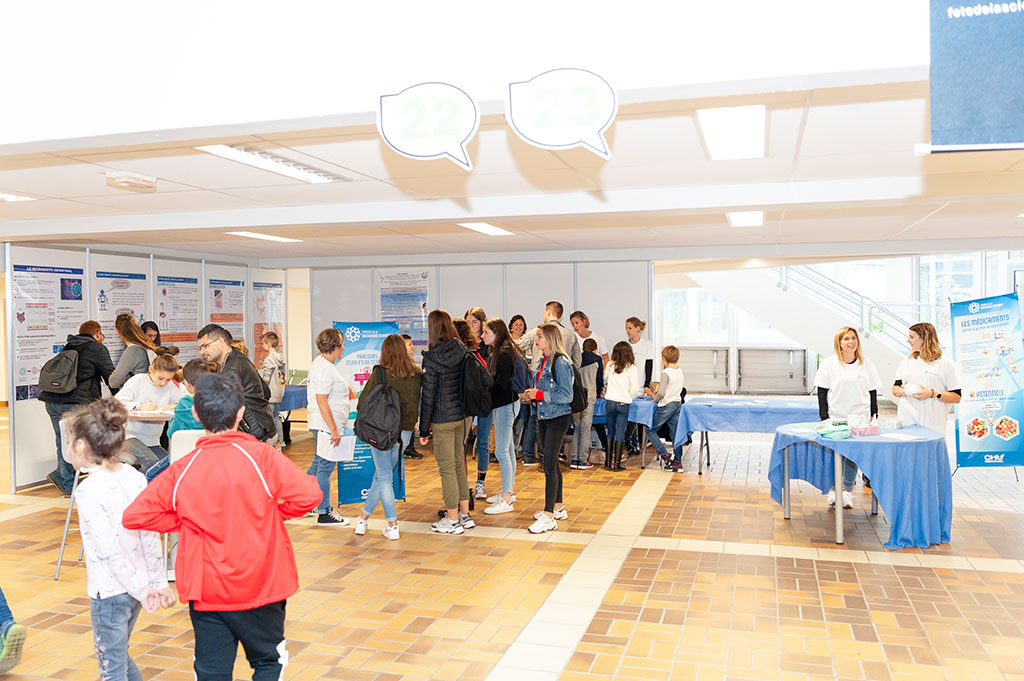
{"x": 831, "y": 497}
{"x": 847, "y": 499}
{"x": 171, "y": 577}
{"x": 360, "y": 525}
{"x": 543, "y": 524}
{"x": 480, "y": 492}
{"x": 390, "y": 532}
{"x": 467, "y": 522}
{"x": 494, "y": 499}
{"x": 499, "y": 506}
{"x": 311, "y": 514}
{"x": 559, "y": 514}
{"x": 447, "y": 526}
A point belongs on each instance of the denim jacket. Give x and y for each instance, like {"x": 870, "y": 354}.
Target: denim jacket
{"x": 557, "y": 394}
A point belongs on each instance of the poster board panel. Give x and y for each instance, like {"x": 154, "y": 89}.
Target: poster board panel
{"x": 225, "y": 292}
{"x": 178, "y": 305}
{"x": 120, "y": 285}
{"x": 267, "y": 313}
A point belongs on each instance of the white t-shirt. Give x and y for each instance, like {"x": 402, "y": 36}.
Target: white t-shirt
{"x": 641, "y": 353}
{"x": 941, "y": 375}
{"x": 601, "y": 346}
{"x": 325, "y": 379}
{"x": 848, "y": 386}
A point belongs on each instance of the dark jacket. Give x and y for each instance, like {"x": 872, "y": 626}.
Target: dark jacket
{"x": 502, "y": 392}
{"x": 441, "y": 398}
{"x": 256, "y": 391}
{"x": 594, "y": 358}
{"x": 408, "y": 390}
{"x": 94, "y": 365}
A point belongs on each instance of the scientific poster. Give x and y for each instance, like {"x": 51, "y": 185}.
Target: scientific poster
{"x": 363, "y": 341}
{"x": 403, "y": 302}
{"x": 177, "y": 313}
{"x": 267, "y": 315}
{"x": 227, "y": 305}
{"x": 118, "y": 293}
{"x": 987, "y": 347}
{"x": 49, "y": 305}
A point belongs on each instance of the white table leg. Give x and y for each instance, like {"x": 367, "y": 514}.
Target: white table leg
{"x": 838, "y": 460}
{"x": 785, "y": 483}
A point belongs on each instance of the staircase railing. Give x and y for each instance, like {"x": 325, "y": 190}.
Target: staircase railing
{"x": 872, "y": 317}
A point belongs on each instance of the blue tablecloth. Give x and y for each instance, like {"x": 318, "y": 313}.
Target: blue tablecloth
{"x": 640, "y": 411}
{"x": 910, "y": 478}
{"x": 294, "y": 397}
{"x": 741, "y": 415}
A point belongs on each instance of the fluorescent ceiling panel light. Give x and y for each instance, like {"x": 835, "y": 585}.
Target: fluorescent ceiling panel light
{"x": 732, "y": 132}
{"x": 15, "y": 197}
{"x": 275, "y": 164}
{"x": 746, "y": 218}
{"x": 1020, "y": 216}
{"x": 485, "y": 228}
{"x": 133, "y": 182}
{"x": 266, "y": 237}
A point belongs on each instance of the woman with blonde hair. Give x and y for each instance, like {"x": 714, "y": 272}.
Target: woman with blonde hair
{"x": 552, "y": 393}
{"x": 402, "y": 374}
{"x": 848, "y": 386}
{"x": 139, "y": 351}
{"x": 926, "y": 382}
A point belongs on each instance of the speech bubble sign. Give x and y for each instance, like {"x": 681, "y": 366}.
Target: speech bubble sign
{"x": 429, "y": 120}
{"x": 562, "y": 109}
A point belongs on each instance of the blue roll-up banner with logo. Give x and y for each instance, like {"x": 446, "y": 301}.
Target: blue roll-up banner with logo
{"x": 363, "y": 341}
{"x": 977, "y": 82}
{"x": 987, "y": 345}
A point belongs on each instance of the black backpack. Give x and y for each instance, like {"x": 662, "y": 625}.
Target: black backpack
{"x": 579, "y": 391}
{"x": 522, "y": 377}
{"x": 60, "y": 373}
{"x": 476, "y": 386}
{"x": 379, "y": 419}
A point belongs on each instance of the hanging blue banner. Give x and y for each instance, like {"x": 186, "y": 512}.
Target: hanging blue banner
{"x": 363, "y": 341}
{"x": 987, "y": 344}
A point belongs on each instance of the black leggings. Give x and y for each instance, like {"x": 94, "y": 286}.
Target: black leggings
{"x": 550, "y": 434}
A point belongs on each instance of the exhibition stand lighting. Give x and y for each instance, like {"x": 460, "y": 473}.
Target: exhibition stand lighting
{"x": 746, "y": 218}
{"x": 485, "y": 228}
{"x": 275, "y": 164}
{"x": 733, "y": 132}
{"x": 266, "y": 237}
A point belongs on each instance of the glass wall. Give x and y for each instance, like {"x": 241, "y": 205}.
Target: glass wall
{"x": 695, "y": 317}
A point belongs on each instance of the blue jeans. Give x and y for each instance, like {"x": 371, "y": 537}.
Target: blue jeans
{"x": 112, "y": 622}
{"x": 64, "y": 473}
{"x": 668, "y": 414}
{"x": 849, "y": 474}
{"x": 157, "y": 468}
{"x": 483, "y": 442}
{"x": 530, "y": 436}
{"x": 503, "y": 417}
{"x": 382, "y": 488}
{"x": 616, "y": 416}
{"x": 322, "y": 469}
{"x": 6, "y": 618}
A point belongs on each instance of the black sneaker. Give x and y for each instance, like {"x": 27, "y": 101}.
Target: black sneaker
{"x": 331, "y": 518}
{"x": 412, "y": 454}
{"x": 529, "y": 462}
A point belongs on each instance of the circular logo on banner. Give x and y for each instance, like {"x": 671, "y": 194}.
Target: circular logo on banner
{"x": 974, "y": 307}
{"x": 353, "y": 334}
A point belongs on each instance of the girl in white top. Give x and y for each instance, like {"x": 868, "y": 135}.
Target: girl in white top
{"x": 581, "y": 325}
{"x": 848, "y": 386}
{"x": 151, "y": 391}
{"x": 621, "y": 388}
{"x": 327, "y": 395}
{"x": 124, "y": 569}
{"x": 926, "y": 382}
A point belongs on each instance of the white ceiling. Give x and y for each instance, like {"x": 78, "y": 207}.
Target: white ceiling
{"x": 840, "y": 169}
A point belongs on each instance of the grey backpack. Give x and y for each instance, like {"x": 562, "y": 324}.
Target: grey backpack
{"x": 60, "y": 373}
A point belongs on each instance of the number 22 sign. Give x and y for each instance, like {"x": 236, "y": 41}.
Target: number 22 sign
{"x": 429, "y": 120}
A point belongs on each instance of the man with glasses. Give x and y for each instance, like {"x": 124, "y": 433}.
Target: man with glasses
{"x": 215, "y": 346}
{"x": 94, "y": 365}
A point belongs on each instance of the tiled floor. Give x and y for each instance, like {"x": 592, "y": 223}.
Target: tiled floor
{"x": 654, "y": 576}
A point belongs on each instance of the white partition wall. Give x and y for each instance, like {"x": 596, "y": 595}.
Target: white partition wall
{"x": 340, "y": 295}
{"x": 461, "y": 287}
{"x": 529, "y": 287}
{"x": 609, "y": 292}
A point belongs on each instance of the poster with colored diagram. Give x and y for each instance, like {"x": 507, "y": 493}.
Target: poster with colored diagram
{"x": 988, "y": 349}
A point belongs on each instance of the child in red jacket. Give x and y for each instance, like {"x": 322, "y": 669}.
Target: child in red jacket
{"x": 229, "y": 499}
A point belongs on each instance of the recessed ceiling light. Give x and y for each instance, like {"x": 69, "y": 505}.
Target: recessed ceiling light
{"x": 275, "y": 164}
{"x": 133, "y": 182}
{"x": 15, "y": 197}
{"x": 732, "y": 132}
{"x": 746, "y": 218}
{"x": 485, "y": 228}
{"x": 1020, "y": 216}
{"x": 266, "y": 237}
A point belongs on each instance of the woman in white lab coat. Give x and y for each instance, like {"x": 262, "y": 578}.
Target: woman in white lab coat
{"x": 848, "y": 386}
{"x": 926, "y": 382}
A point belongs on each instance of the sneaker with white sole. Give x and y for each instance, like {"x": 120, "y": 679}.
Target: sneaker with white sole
{"x": 331, "y": 518}
{"x": 12, "y": 645}
{"x": 499, "y": 506}
{"x": 831, "y": 497}
{"x": 360, "y": 525}
{"x": 559, "y": 514}
{"x": 467, "y": 522}
{"x": 311, "y": 514}
{"x": 171, "y": 576}
{"x": 447, "y": 526}
{"x": 543, "y": 524}
{"x": 847, "y": 499}
{"x": 390, "y": 532}
{"x": 480, "y": 492}
{"x": 494, "y": 499}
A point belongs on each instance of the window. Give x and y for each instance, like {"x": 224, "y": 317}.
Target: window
{"x": 692, "y": 316}
{"x": 949, "y": 278}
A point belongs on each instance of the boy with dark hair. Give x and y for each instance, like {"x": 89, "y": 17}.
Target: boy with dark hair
{"x": 229, "y": 499}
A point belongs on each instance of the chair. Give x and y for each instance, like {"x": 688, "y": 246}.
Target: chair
{"x": 64, "y": 447}
{"x": 298, "y": 376}
{"x": 183, "y": 442}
